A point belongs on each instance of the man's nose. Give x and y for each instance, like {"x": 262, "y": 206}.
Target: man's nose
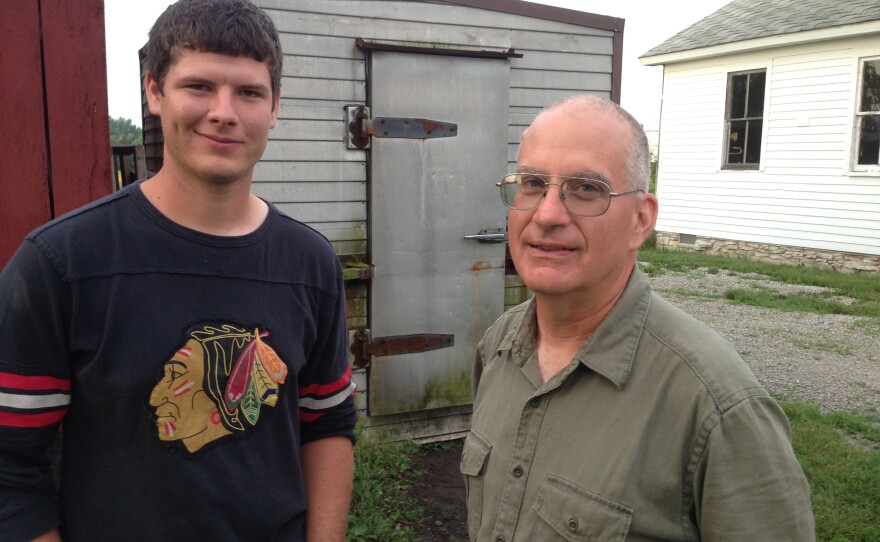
{"x": 223, "y": 108}
{"x": 551, "y": 210}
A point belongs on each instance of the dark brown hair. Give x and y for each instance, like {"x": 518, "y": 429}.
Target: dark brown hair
{"x": 229, "y": 27}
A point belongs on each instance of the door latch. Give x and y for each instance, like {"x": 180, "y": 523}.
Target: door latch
{"x": 489, "y": 236}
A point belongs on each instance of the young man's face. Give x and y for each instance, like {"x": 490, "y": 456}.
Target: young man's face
{"x": 216, "y": 113}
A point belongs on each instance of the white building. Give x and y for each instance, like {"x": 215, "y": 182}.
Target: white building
{"x": 770, "y": 133}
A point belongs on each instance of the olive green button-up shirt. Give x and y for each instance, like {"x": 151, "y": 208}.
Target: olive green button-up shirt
{"x": 657, "y": 430}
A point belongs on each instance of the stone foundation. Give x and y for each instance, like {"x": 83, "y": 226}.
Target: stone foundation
{"x": 845, "y": 262}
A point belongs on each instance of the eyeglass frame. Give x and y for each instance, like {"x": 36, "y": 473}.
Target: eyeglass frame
{"x": 543, "y": 177}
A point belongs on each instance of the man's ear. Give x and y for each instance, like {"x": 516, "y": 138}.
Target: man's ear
{"x": 645, "y": 219}
{"x": 154, "y": 94}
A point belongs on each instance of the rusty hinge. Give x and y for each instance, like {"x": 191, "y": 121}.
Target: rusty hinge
{"x": 361, "y": 127}
{"x": 363, "y": 348}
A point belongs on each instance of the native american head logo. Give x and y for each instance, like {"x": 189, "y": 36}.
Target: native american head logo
{"x": 215, "y": 385}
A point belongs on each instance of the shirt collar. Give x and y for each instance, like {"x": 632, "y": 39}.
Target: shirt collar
{"x": 611, "y": 350}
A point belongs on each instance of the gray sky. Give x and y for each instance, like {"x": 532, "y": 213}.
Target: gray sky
{"x": 648, "y": 23}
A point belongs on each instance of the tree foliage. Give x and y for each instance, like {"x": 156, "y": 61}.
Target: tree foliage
{"x": 124, "y": 132}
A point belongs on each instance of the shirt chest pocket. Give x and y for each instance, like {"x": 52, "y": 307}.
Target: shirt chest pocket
{"x": 475, "y": 454}
{"x": 569, "y": 513}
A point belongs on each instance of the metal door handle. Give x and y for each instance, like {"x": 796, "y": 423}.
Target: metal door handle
{"x": 489, "y": 236}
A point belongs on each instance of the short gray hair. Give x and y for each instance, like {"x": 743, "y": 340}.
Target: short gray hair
{"x": 638, "y": 161}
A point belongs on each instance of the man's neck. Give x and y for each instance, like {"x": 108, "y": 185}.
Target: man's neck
{"x": 566, "y": 322}
{"x": 216, "y": 209}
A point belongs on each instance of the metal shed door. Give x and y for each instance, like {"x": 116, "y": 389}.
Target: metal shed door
{"x": 426, "y": 196}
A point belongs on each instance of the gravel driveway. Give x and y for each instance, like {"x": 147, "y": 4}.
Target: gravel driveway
{"x": 832, "y": 360}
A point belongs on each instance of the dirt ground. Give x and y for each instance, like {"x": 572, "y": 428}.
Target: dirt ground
{"x": 440, "y": 492}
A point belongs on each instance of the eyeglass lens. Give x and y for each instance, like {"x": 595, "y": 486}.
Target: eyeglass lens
{"x": 584, "y": 197}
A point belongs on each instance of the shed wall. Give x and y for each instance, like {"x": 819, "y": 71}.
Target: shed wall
{"x": 804, "y": 194}
{"x": 307, "y": 170}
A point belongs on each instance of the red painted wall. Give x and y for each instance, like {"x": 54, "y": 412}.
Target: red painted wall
{"x": 55, "y": 148}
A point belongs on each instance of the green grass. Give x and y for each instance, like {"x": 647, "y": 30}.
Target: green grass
{"x": 840, "y": 454}
{"x": 864, "y": 289}
{"x": 381, "y": 511}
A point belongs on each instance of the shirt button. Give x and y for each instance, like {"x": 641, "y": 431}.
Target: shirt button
{"x": 573, "y": 525}
{"x": 517, "y": 472}
{"x": 499, "y": 539}
{"x": 535, "y": 403}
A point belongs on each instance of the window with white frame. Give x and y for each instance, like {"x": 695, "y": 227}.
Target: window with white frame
{"x": 744, "y": 119}
{"x": 867, "y": 125}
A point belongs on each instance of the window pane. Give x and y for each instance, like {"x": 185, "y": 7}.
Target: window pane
{"x": 869, "y": 140}
{"x": 753, "y": 146}
{"x": 870, "y": 87}
{"x": 756, "y": 94}
{"x": 738, "y": 96}
{"x": 736, "y": 143}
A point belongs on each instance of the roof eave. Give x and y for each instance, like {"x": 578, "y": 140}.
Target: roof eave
{"x": 543, "y": 11}
{"x": 795, "y": 38}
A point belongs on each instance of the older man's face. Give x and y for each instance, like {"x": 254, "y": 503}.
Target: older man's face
{"x": 555, "y": 252}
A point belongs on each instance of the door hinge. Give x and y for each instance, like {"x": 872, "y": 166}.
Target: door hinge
{"x": 361, "y": 127}
{"x": 363, "y": 349}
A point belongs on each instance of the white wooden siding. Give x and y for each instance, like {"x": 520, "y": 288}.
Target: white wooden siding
{"x": 804, "y": 193}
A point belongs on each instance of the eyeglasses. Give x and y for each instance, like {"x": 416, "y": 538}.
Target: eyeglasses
{"x": 581, "y": 196}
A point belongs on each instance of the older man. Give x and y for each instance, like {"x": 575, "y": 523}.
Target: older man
{"x": 602, "y": 412}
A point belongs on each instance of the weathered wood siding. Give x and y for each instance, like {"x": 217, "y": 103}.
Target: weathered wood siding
{"x": 804, "y": 193}
{"x": 55, "y": 149}
{"x": 310, "y": 174}
{"x": 306, "y": 168}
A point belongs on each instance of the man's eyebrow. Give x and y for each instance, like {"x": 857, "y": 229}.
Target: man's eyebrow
{"x": 581, "y": 174}
{"x": 259, "y": 87}
{"x": 175, "y": 362}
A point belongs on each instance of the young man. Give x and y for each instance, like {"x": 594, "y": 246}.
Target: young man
{"x": 188, "y": 336}
{"x": 602, "y": 412}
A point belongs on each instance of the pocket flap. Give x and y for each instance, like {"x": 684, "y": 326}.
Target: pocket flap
{"x": 578, "y": 515}
{"x": 475, "y": 453}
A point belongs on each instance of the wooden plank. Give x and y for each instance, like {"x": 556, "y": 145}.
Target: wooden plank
{"x": 555, "y": 79}
{"x": 320, "y": 46}
{"x": 793, "y": 233}
{"x": 324, "y": 89}
{"x": 431, "y": 424}
{"x": 314, "y": 213}
{"x": 435, "y": 14}
{"x": 24, "y": 191}
{"x": 343, "y": 231}
{"x": 293, "y": 23}
{"x": 303, "y": 191}
{"x": 545, "y": 97}
{"x": 312, "y": 171}
{"x": 310, "y": 111}
{"x": 811, "y": 96}
{"x": 79, "y": 132}
{"x": 324, "y": 151}
{"x": 563, "y": 42}
{"x": 811, "y": 85}
{"x": 562, "y": 61}
{"x": 309, "y": 130}
{"x": 324, "y": 68}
